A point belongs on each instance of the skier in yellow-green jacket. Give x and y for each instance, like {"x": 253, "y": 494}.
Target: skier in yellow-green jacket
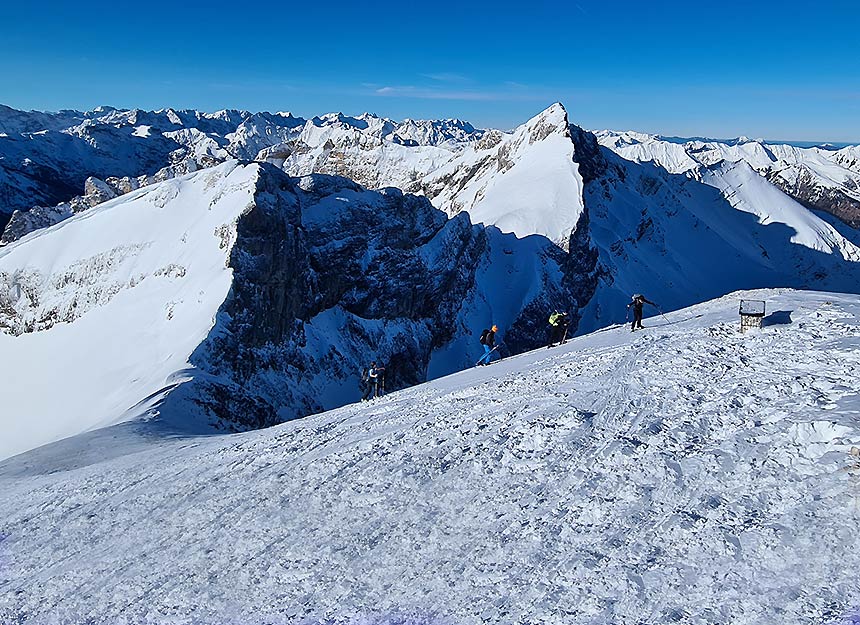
{"x": 558, "y": 324}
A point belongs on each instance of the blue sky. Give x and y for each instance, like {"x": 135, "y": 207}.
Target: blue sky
{"x": 778, "y": 70}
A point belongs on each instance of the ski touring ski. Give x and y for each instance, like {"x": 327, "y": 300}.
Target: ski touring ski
{"x": 486, "y": 356}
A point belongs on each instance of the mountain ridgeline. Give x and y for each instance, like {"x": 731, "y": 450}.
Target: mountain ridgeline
{"x": 251, "y": 264}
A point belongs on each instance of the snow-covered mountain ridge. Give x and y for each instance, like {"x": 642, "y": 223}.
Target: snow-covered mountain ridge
{"x": 237, "y": 297}
{"x": 687, "y": 473}
{"x": 302, "y": 281}
{"x": 80, "y": 159}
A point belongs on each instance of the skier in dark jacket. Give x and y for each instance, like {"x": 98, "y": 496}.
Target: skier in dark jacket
{"x": 370, "y": 379}
{"x": 377, "y": 378}
{"x": 558, "y": 323}
{"x": 488, "y": 340}
{"x": 637, "y": 303}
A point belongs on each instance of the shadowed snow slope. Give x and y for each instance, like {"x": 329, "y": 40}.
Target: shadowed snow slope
{"x": 686, "y": 473}
{"x": 681, "y": 240}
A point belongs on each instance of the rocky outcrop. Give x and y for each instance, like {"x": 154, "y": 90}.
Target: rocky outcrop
{"x": 328, "y": 276}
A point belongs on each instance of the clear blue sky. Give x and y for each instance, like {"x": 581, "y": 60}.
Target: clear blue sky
{"x": 779, "y": 70}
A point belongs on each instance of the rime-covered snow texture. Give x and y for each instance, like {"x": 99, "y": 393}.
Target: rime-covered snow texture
{"x": 687, "y": 473}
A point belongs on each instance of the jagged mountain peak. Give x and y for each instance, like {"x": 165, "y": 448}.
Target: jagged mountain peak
{"x": 554, "y": 113}
{"x": 525, "y": 182}
{"x": 359, "y": 122}
{"x": 101, "y": 109}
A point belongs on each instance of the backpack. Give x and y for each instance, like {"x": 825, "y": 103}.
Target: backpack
{"x": 484, "y": 337}
{"x": 553, "y": 318}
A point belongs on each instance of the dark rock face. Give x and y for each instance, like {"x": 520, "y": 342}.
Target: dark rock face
{"x": 26, "y": 184}
{"x": 329, "y": 276}
{"x": 588, "y": 154}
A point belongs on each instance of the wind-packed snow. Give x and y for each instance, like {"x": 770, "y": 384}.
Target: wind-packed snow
{"x": 103, "y": 310}
{"x": 686, "y": 473}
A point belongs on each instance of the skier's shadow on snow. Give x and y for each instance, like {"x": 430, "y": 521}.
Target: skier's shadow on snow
{"x": 778, "y": 317}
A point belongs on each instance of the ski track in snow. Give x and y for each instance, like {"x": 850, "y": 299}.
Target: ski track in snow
{"x": 682, "y": 474}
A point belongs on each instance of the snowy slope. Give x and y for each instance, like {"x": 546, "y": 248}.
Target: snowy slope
{"x": 525, "y": 182}
{"x": 750, "y": 192}
{"x": 681, "y": 239}
{"x": 104, "y": 309}
{"x": 828, "y": 180}
{"x": 683, "y": 474}
{"x": 45, "y": 158}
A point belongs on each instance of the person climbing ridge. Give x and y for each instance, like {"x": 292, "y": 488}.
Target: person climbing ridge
{"x": 488, "y": 340}
{"x": 371, "y": 379}
{"x": 638, "y": 302}
{"x": 558, "y": 324}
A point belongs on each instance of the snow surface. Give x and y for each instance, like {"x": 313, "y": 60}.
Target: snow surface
{"x": 108, "y": 305}
{"x": 748, "y": 191}
{"x": 680, "y": 240}
{"x": 101, "y": 308}
{"x": 686, "y": 473}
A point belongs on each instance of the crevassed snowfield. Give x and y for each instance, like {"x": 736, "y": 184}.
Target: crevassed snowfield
{"x": 685, "y": 474}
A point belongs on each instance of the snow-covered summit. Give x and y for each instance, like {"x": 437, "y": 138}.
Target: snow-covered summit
{"x": 526, "y": 182}
{"x": 686, "y": 473}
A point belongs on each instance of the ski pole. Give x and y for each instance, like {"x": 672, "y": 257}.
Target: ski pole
{"x": 661, "y": 314}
